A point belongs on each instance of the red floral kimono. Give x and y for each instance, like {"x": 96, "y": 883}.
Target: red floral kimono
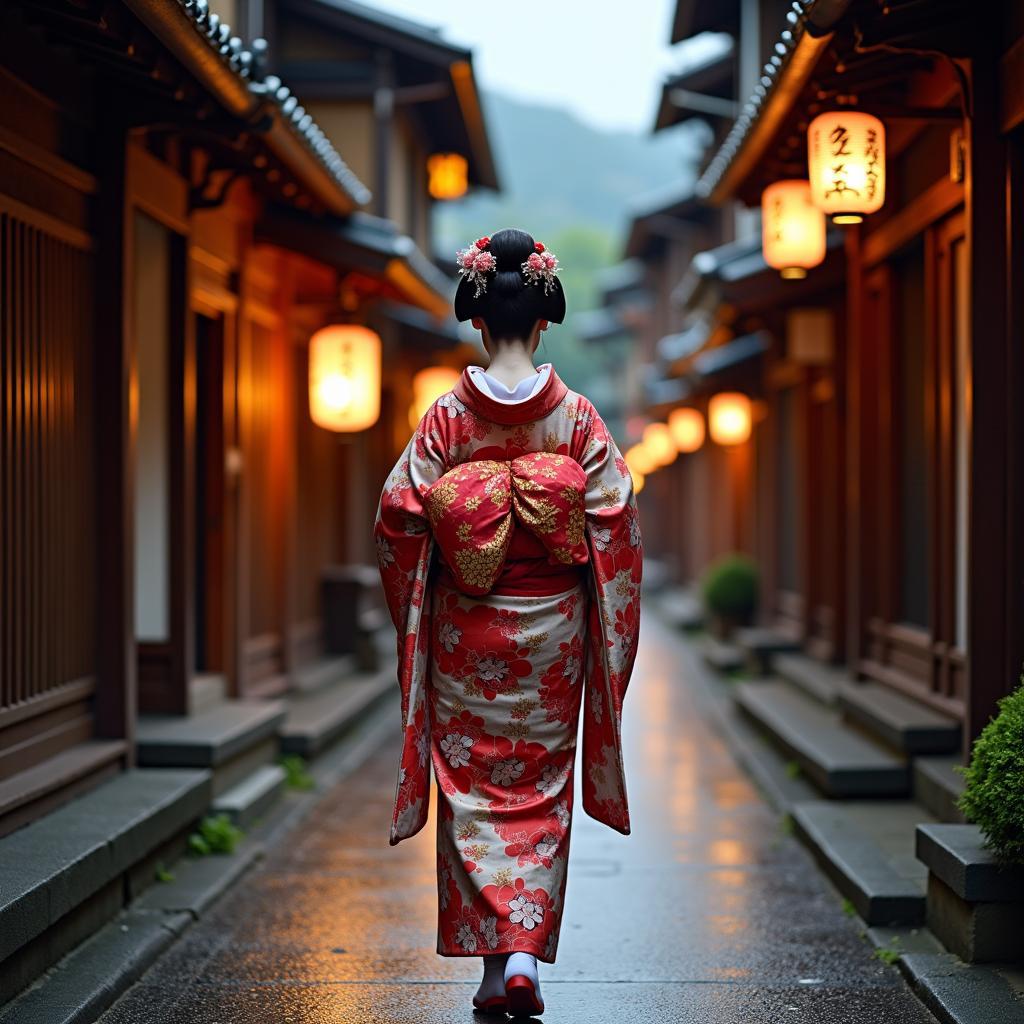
{"x": 509, "y": 549}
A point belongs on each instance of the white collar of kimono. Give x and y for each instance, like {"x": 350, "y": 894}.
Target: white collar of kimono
{"x": 524, "y": 389}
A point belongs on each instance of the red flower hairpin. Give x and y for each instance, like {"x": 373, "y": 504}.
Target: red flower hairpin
{"x": 474, "y": 262}
{"x": 541, "y": 265}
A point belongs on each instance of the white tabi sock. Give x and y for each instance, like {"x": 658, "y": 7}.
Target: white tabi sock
{"x": 493, "y": 984}
{"x": 525, "y": 964}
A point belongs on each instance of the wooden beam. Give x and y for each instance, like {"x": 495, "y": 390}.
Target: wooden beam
{"x": 987, "y": 670}
{"x": 911, "y": 220}
{"x": 115, "y": 369}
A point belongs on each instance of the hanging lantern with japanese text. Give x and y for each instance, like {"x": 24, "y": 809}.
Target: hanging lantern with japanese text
{"x": 792, "y": 228}
{"x": 344, "y": 377}
{"x": 846, "y": 164}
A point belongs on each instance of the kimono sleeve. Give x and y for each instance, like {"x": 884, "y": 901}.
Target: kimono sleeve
{"x": 616, "y": 551}
{"x": 401, "y": 529}
{"x": 613, "y": 619}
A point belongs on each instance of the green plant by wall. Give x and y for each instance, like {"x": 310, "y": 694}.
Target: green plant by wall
{"x": 216, "y": 834}
{"x": 730, "y": 588}
{"x": 296, "y": 772}
{"x": 994, "y": 797}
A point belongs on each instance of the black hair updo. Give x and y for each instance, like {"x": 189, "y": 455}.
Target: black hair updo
{"x": 511, "y": 305}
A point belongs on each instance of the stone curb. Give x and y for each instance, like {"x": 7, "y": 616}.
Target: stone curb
{"x": 955, "y": 992}
{"x": 93, "y": 976}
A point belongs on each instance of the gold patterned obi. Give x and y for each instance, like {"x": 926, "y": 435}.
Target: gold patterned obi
{"x": 514, "y": 526}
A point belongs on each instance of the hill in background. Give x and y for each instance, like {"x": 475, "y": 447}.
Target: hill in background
{"x": 571, "y": 186}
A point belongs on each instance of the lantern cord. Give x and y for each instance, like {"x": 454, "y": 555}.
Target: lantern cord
{"x": 961, "y": 75}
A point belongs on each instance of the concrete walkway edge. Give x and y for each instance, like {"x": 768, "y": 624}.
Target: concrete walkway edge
{"x": 955, "y": 992}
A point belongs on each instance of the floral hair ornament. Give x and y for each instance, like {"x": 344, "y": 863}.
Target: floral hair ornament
{"x": 541, "y": 265}
{"x": 476, "y": 261}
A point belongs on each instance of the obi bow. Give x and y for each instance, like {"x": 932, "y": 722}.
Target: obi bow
{"x": 473, "y": 508}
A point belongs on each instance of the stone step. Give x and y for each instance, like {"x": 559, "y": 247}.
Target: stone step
{"x": 682, "y": 608}
{"x": 900, "y": 722}
{"x": 816, "y": 679}
{"x": 317, "y": 720}
{"x": 938, "y": 785}
{"x": 760, "y": 645}
{"x": 206, "y": 690}
{"x": 860, "y": 869}
{"x": 60, "y": 862}
{"x": 839, "y": 761}
{"x": 323, "y": 673}
{"x": 721, "y": 655}
{"x": 233, "y": 739}
{"x": 248, "y": 800}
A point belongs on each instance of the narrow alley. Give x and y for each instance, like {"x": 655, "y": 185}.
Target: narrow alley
{"x": 708, "y": 912}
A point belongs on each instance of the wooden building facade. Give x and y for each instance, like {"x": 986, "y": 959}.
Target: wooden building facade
{"x": 174, "y": 227}
{"x": 880, "y": 491}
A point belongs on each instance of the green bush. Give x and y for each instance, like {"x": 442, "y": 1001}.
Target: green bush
{"x": 297, "y": 775}
{"x": 217, "y": 834}
{"x": 730, "y": 589}
{"x": 994, "y": 797}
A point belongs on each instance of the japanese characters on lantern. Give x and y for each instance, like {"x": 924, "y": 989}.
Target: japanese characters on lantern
{"x": 792, "y": 228}
{"x": 344, "y": 377}
{"x": 846, "y": 164}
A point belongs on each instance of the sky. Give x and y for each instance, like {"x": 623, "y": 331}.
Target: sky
{"x": 605, "y": 68}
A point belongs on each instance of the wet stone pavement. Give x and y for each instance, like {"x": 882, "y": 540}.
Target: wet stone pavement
{"x": 708, "y": 912}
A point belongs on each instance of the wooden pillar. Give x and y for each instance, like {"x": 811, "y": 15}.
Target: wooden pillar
{"x": 855, "y": 519}
{"x": 114, "y": 385}
{"x": 991, "y": 404}
{"x": 383, "y": 117}
{"x": 1015, "y": 408}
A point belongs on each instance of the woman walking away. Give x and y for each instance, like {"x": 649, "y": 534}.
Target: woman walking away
{"x": 510, "y": 553}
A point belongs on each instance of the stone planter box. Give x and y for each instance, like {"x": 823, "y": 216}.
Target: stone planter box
{"x": 975, "y": 905}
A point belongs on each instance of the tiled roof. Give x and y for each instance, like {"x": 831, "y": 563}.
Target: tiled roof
{"x": 801, "y": 20}
{"x": 247, "y": 64}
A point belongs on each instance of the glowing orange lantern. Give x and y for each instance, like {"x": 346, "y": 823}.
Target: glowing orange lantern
{"x": 639, "y": 460}
{"x": 729, "y": 418}
{"x": 687, "y": 428}
{"x": 344, "y": 377}
{"x": 658, "y": 443}
{"x": 792, "y": 228}
{"x": 427, "y": 386}
{"x": 638, "y": 480}
{"x": 448, "y": 175}
{"x": 846, "y": 164}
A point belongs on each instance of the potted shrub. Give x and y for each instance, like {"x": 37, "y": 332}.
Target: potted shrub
{"x": 976, "y": 871}
{"x": 730, "y": 593}
{"x": 994, "y": 796}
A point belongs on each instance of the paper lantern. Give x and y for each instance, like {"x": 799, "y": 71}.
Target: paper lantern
{"x": 638, "y": 480}
{"x": 846, "y": 164}
{"x": 447, "y": 175}
{"x": 639, "y": 460}
{"x": 729, "y": 418}
{"x": 344, "y": 377}
{"x": 792, "y": 228}
{"x": 687, "y": 428}
{"x": 427, "y": 386}
{"x": 659, "y": 444}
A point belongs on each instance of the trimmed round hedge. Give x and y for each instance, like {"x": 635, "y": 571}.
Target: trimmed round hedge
{"x": 994, "y": 797}
{"x": 730, "y": 588}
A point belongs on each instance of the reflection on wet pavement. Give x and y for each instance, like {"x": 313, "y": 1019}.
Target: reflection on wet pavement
{"x": 707, "y": 912}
